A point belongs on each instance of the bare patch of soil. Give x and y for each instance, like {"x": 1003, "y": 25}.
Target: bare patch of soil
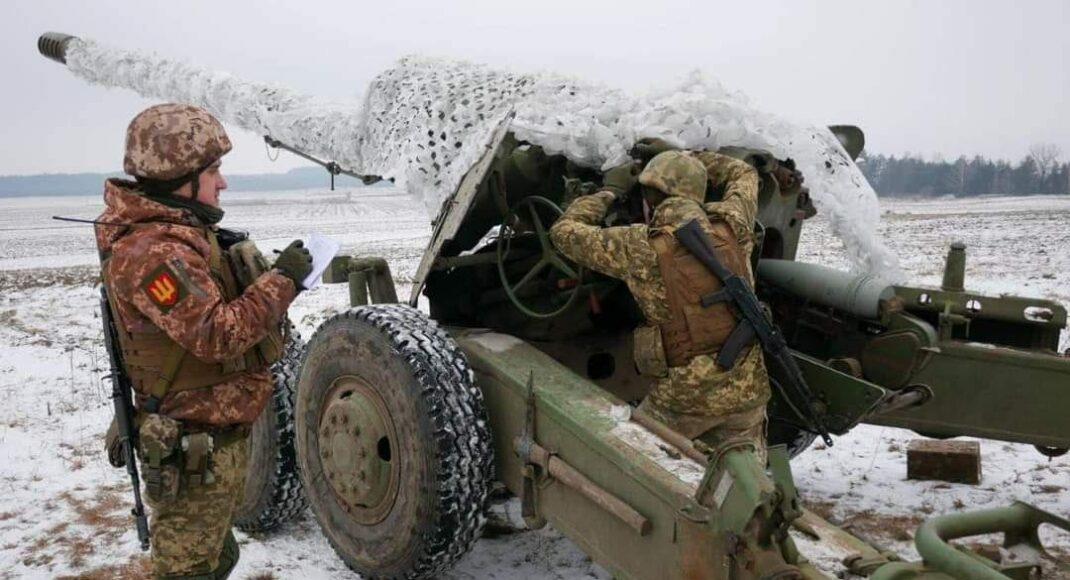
{"x": 42, "y": 278}
{"x": 137, "y": 568}
{"x": 101, "y": 521}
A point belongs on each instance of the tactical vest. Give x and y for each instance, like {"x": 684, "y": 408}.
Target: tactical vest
{"x": 693, "y": 329}
{"x": 157, "y": 365}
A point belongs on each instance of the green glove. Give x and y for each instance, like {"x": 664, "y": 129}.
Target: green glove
{"x": 649, "y": 147}
{"x": 295, "y": 263}
{"x": 621, "y": 179}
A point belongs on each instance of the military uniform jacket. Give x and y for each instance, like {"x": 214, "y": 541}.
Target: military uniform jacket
{"x": 157, "y": 269}
{"x": 699, "y": 387}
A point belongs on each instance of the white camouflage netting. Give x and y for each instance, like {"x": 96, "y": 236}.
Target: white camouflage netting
{"x": 426, "y": 121}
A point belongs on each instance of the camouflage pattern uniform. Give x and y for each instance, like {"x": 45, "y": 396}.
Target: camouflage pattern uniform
{"x": 191, "y": 535}
{"x": 210, "y": 328}
{"x": 699, "y": 399}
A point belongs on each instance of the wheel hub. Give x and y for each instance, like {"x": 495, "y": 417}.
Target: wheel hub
{"x": 356, "y": 439}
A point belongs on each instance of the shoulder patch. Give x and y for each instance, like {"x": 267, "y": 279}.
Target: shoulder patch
{"x": 185, "y": 279}
{"x": 164, "y": 287}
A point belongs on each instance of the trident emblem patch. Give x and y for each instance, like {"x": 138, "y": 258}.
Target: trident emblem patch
{"x": 163, "y": 288}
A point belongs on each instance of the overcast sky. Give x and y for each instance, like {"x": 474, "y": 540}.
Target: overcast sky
{"x": 935, "y": 77}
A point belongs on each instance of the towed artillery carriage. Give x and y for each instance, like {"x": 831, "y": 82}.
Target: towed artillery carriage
{"x": 523, "y": 373}
{"x": 550, "y": 346}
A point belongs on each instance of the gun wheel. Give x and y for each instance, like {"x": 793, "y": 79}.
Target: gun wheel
{"x": 273, "y": 493}
{"x": 393, "y": 442}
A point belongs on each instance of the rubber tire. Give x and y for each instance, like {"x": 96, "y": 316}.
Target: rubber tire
{"x": 443, "y": 446}
{"x": 273, "y": 490}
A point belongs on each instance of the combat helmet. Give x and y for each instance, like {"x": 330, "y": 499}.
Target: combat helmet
{"x": 171, "y": 141}
{"x": 676, "y": 173}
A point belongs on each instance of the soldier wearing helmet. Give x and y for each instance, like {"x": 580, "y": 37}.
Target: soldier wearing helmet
{"x": 678, "y": 344}
{"x": 196, "y": 337}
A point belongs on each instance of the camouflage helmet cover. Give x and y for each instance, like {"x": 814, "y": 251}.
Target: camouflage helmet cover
{"x": 676, "y": 173}
{"x": 165, "y": 142}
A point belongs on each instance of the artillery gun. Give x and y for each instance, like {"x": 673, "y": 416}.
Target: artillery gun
{"x": 523, "y": 373}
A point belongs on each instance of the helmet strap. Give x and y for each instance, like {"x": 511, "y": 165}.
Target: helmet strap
{"x": 163, "y": 192}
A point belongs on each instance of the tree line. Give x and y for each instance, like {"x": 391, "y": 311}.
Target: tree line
{"x": 1040, "y": 172}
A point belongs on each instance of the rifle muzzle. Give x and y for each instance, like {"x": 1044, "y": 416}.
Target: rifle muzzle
{"x": 54, "y": 45}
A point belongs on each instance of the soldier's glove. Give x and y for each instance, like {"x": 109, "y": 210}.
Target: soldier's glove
{"x": 621, "y": 179}
{"x": 649, "y": 147}
{"x": 295, "y": 262}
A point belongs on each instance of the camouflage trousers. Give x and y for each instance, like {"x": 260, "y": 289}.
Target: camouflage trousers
{"x": 191, "y": 534}
{"x": 701, "y": 392}
{"x": 712, "y": 433}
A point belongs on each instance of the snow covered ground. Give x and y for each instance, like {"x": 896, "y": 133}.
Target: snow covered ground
{"x": 62, "y": 508}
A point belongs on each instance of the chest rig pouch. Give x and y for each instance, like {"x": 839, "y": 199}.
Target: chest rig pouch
{"x": 172, "y": 458}
{"x": 244, "y": 264}
{"x": 692, "y": 329}
{"x": 157, "y": 365}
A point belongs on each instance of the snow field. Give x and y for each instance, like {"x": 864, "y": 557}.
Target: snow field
{"x": 62, "y": 507}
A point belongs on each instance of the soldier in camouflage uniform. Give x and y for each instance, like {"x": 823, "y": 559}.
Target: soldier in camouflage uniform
{"x": 679, "y": 343}
{"x": 190, "y": 336}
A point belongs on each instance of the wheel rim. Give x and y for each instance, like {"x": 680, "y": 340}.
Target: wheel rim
{"x": 549, "y": 258}
{"x": 357, "y": 445}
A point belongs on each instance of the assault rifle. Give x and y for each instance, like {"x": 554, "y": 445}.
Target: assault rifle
{"x": 754, "y": 323}
{"x": 122, "y": 397}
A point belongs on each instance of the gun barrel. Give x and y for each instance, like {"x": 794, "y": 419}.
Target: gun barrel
{"x": 859, "y": 294}
{"x": 54, "y": 45}
{"x": 320, "y": 127}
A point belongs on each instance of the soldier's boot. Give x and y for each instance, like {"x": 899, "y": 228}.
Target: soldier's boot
{"x": 228, "y": 559}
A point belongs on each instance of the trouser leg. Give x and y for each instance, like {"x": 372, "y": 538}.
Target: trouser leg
{"x": 712, "y": 431}
{"x": 191, "y": 534}
{"x": 744, "y": 427}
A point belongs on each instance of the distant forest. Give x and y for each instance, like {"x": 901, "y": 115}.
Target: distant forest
{"x": 1040, "y": 172}
{"x": 93, "y": 183}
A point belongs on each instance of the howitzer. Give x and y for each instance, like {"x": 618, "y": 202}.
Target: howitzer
{"x": 753, "y": 324}
{"x": 403, "y": 420}
{"x": 122, "y": 398}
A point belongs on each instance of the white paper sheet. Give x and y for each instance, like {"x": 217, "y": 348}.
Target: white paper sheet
{"x": 323, "y": 250}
